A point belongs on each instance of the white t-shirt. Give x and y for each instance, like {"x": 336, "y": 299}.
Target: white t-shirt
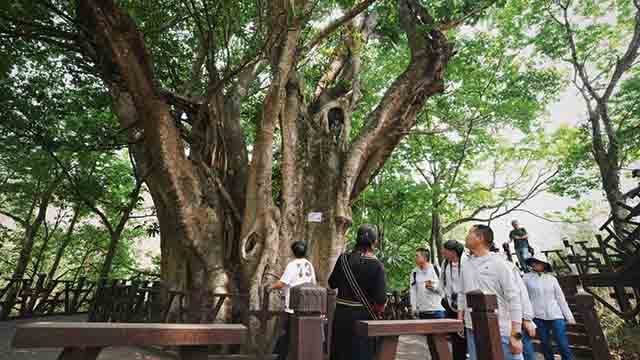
{"x": 297, "y": 272}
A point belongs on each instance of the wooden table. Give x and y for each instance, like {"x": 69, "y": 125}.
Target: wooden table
{"x": 83, "y": 341}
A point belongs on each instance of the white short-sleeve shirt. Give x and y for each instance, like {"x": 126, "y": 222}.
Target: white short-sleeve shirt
{"x": 297, "y": 272}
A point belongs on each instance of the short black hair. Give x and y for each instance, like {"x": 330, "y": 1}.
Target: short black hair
{"x": 424, "y": 252}
{"x": 456, "y": 246}
{"x": 486, "y": 233}
{"x": 366, "y": 237}
{"x": 299, "y": 249}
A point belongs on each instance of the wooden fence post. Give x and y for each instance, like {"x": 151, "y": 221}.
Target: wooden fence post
{"x": 585, "y": 305}
{"x": 486, "y": 330}
{"x": 569, "y": 284}
{"x": 308, "y": 302}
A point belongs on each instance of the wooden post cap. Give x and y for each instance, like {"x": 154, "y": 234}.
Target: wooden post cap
{"x": 585, "y": 300}
{"x": 307, "y": 298}
{"x": 481, "y": 302}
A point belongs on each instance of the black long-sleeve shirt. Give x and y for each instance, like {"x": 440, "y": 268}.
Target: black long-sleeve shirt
{"x": 368, "y": 272}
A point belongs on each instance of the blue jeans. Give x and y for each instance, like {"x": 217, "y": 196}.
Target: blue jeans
{"x": 559, "y": 330}
{"x": 527, "y": 347}
{"x": 471, "y": 347}
{"x": 523, "y": 254}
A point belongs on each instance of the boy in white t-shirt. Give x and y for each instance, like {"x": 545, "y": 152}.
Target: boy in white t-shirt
{"x": 299, "y": 271}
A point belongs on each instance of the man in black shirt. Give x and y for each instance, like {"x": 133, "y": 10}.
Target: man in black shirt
{"x": 520, "y": 240}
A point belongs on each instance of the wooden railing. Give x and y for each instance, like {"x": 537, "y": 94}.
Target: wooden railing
{"x": 27, "y": 297}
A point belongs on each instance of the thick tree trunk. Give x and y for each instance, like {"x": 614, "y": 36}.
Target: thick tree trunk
{"x": 221, "y": 230}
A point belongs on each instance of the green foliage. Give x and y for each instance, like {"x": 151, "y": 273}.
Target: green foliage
{"x": 600, "y": 32}
{"x": 59, "y": 134}
{"x": 571, "y": 148}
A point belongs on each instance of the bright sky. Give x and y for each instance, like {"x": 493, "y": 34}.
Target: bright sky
{"x": 568, "y": 110}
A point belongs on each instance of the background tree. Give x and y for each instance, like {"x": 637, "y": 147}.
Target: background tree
{"x": 598, "y": 42}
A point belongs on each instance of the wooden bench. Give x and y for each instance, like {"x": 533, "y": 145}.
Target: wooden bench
{"x": 83, "y": 341}
{"x": 390, "y": 330}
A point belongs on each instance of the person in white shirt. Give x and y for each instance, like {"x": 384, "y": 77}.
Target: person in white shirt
{"x": 550, "y": 308}
{"x": 425, "y": 294}
{"x": 528, "y": 325}
{"x": 299, "y": 271}
{"x": 450, "y": 284}
{"x": 491, "y": 274}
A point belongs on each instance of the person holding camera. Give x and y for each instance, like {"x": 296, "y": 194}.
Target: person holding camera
{"x": 425, "y": 293}
{"x": 453, "y": 252}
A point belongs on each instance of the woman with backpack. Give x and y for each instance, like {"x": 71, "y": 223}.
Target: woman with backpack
{"x": 360, "y": 279}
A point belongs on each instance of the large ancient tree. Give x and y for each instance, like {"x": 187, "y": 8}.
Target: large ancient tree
{"x": 233, "y": 188}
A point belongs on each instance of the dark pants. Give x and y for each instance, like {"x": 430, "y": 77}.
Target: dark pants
{"x": 432, "y": 315}
{"x": 282, "y": 345}
{"x": 345, "y": 344}
{"x": 458, "y": 343}
{"x": 558, "y": 328}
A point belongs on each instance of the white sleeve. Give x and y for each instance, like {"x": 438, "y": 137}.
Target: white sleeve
{"x": 462, "y": 299}
{"x": 566, "y": 312}
{"x": 290, "y": 273}
{"x": 527, "y": 308}
{"x": 511, "y": 292}
{"x": 412, "y": 295}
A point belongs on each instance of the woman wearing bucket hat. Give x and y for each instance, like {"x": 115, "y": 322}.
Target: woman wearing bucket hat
{"x": 550, "y": 307}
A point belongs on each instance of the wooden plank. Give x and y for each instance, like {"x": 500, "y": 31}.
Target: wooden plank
{"x": 486, "y": 330}
{"x": 388, "y": 348}
{"x": 578, "y": 339}
{"x": 70, "y": 334}
{"x": 442, "y": 351}
{"x": 627, "y": 279}
{"x": 305, "y": 342}
{"x": 579, "y": 351}
{"x": 597, "y": 340}
{"x": 242, "y": 357}
{"x": 78, "y": 353}
{"x": 407, "y": 327}
{"x": 194, "y": 352}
